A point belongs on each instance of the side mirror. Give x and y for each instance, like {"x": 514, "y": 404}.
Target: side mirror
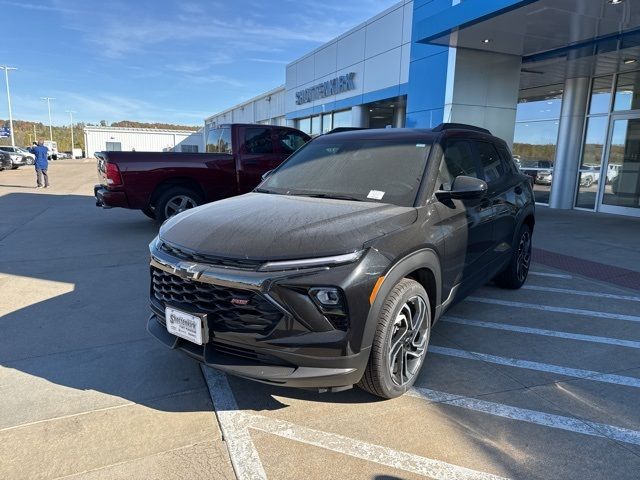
{"x": 266, "y": 174}
{"x": 464, "y": 188}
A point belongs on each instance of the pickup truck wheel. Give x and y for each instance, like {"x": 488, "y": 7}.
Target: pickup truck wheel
{"x": 149, "y": 213}
{"x": 174, "y": 201}
{"x": 516, "y": 272}
{"x": 400, "y": 342}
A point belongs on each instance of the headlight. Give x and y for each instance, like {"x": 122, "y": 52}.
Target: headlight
{"x": 155, "y": 244}
{"x": 311, "y": 262}
{"x": 328, "y": 297}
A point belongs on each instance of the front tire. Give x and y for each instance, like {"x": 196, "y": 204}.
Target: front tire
{"x": 149, "y": 213}
{"x": 175, "y": 200}
{"x": 400, "y": 341}
{"x": 516, "y": 272}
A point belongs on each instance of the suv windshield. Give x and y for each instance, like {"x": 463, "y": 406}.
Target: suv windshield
{"x": 386, "y": 171}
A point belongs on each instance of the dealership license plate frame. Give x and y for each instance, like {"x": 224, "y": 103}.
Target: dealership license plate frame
{"x": 199, "y": 320}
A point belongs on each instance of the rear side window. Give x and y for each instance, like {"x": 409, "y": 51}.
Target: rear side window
{"x": 219, "y": 140}
{"x": 493, "y": 167}
{"x": 289, "y": 141}
{"x": 458, "y": 160}
{"x": 258, "y": 141}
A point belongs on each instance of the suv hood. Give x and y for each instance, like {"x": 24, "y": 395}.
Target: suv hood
{"x": 259, "y": 226}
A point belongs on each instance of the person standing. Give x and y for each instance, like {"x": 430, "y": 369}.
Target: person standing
{"x": 42, "y": 164}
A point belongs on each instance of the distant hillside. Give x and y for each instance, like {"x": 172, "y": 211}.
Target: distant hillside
{"x": 24, "y": 132}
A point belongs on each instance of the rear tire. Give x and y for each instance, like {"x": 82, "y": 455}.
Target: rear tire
{"x": 400, "y": 342}
{"x": 15, "y": 167}
{"x": 149, "y": 213}
{"x": 175, "y": 200}
{"x": 516, "y": 272}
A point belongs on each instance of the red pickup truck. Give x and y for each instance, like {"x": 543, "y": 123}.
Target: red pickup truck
{"x": 162, "y": 184}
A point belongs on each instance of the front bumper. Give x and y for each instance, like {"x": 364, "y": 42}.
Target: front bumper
{"x": 302, "y": 349}
{"x": 106, "y": 198}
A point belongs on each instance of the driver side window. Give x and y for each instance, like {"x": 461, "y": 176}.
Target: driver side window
{"x": 457, "y": 160}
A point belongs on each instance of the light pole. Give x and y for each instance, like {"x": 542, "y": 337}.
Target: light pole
{"x": 6, "y": 76}
{"x": 71, "y": 112}
{"x": 48, "y": 99}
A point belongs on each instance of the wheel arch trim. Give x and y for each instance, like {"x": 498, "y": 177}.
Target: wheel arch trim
{"x": 421, "y": 259}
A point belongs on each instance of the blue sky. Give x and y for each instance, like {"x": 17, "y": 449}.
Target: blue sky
{"x": 166, "y": 61}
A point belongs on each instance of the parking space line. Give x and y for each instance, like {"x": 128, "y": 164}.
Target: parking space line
{"x": 242, "y": 452}
{"x": 366, "y": 451}
{"x": 543, "y": 332}
{"x": 552, "y": 275}
{"x": 549, "y": 308}
{"x": 533, "y": 416}
{"x": 612, "y": 296}
{"x": 541, "y": 367}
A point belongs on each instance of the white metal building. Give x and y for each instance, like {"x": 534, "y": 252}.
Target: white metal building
{"x": 268, "y": 109}
{"x": 98, "y": 139}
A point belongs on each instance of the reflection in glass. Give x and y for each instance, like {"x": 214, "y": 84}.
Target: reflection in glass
{"x": 304, "y": 124}
{"x": 628, "y": 92}
{"x": 589, "y": 176}
{"x": 540, "y": 104}
{"x": 316, "y": 125}
{"x": 326, "y": 123}
{"x": 342, "y": 119}
{"x": 601, "y": 95}
{"x": 534, "y": 149}
{"x": 623, "y": 170}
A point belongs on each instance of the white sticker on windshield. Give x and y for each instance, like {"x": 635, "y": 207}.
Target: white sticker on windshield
{"x": 421, "y": 145}
{"x": 375, "y": 195}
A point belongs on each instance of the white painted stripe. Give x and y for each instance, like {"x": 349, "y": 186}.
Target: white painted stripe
{"x": 552, "y": 275}
{"x": 582, "y": 293}
{"x": 244, "y": 457}
{"x": 532, "y": 416}
{"x": 540, "y": 331}
{"x": 549, "y": 308}
{"x": 366, "y": 451}
{"x": 541, "y": 367}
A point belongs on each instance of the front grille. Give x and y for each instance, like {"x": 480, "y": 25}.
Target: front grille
{"x": 257, "y": 316}
{"x": 185, "y": 254}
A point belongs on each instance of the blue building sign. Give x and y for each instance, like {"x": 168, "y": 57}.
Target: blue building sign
{"x": 5, "y": 132}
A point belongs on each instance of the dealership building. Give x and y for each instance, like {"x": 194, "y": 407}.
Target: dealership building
{"x": 558, "y": 79}
{"x": 106, "y": 139}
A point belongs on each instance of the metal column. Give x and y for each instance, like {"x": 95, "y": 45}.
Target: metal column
{"x": 565, "y": 170}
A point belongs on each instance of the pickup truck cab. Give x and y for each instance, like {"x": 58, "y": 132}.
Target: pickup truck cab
{"x": 162, "y": 184}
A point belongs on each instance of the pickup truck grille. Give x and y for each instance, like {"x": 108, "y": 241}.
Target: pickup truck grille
{"x": 184, "y": 254}
{"x": 223, "y": 306}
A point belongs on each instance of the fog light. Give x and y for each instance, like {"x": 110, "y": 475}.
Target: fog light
{"x": 329, "y": 297}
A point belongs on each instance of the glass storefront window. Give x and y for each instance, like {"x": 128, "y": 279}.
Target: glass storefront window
{"x": 591, "y": 163}
{"x": 534, "y": 149}
{"x": 628, "y": 92}
{"x": 326, "y": 123}
{"x": 342, "y": 118}
{"x": 316, "y": 128}
{"x": 540, "y": 106}
{"x": 601, "y": 95}
{"x": 623, "y": 172}
{"x": 304, "y": 124}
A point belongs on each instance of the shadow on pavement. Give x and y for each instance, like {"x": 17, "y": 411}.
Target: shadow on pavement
{"x": 74, "y": 303}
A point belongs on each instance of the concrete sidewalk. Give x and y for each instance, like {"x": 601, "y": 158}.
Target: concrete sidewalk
{"x": 602, "y": 247}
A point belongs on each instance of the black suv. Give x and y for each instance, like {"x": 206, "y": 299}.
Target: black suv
{"x": 333, "y": 271}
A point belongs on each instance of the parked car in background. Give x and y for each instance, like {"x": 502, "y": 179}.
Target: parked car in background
{"x": 5, "y": 161}
{"x": 332, "y": 271}
{"x": 63, "y": 155}
{"x": 162, "y": 184}
{"x": 613, "y": 171}
{"x": 53, "y": 149}
{"x": 18, "y": 158}
{"x": 589, "y": 174}
{"x": 540, "y": 171}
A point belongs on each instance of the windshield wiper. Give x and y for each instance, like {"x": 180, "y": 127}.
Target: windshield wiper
{"x": 335, "y": 196}
{"x": 264, "y": 190}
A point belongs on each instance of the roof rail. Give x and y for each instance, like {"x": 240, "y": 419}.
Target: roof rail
{"x": 345, "y": 129}
{"x": 459, "y": 126}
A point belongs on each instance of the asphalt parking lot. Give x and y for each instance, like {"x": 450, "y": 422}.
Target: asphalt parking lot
{"x": 538, "y": 383}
